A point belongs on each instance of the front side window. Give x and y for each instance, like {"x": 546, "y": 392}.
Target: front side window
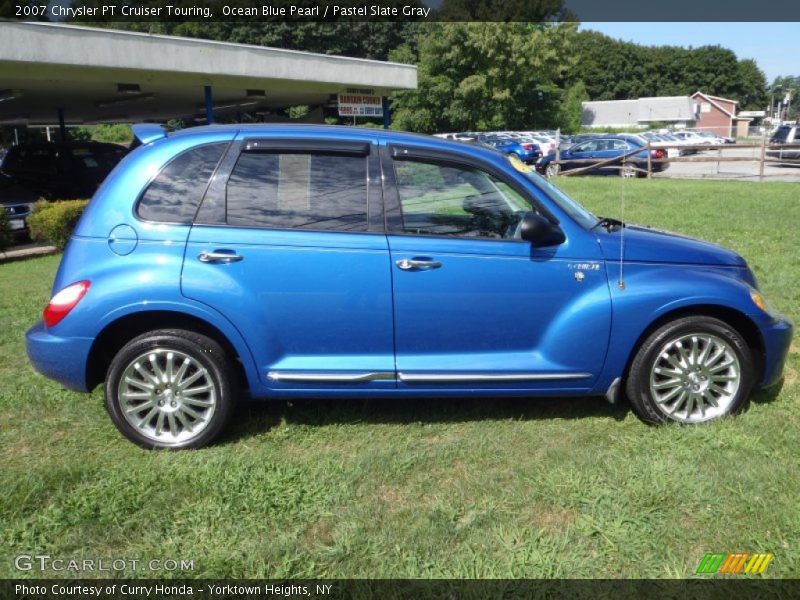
{"x": 174, "y": 195}
{"x": 447, "y": 200}
{"x": 326, "y": 192}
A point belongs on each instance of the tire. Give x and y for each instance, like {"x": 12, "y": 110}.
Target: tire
{"x": 552, "y": 170}
{"x": 628, "y": 171}
{"x": 691, "y": 370}
{"x": 170, "y": 389}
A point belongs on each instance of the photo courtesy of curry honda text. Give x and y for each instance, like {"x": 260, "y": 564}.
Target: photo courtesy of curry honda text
{"x": 320, "y": 261}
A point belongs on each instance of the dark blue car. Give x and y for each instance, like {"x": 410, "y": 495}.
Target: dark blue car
{"x": 317, "y": 261}
{"x": 603, "y": 148}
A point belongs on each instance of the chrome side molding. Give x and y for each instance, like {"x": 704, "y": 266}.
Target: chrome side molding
{"x": 467, "y": 377}
{"x": 478, "y": 377}
{"x": 329, "y": 376}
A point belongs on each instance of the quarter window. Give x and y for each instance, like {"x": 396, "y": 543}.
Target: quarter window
{"x": 325, "y": 192}
{"x": 173, "y": 196}
{"x": 438, "y": 199}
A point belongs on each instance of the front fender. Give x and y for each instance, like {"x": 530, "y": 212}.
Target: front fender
{"x": 652, "y": 291}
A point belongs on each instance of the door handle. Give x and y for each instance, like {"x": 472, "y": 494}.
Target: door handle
{"x": 219, "y": 257}
{"x": 415, "y": 264}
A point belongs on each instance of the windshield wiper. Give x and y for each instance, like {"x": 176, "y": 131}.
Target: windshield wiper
{"x": 609, "y": 223}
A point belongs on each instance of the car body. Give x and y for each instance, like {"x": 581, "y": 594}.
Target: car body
{"x": 61, "y": 171}
{"x": 785, "y": 135}
{"x": 527, "y": 152}
{"x": 17, "y": 202}
{"x": 318, "y": 261}
{"x": 602, "y": 148}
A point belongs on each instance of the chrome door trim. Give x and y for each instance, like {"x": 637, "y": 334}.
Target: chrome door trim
{"x": 478, "y": 377}
{"x": 329, "y": 376}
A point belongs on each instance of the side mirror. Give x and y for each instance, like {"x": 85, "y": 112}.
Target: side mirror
{"x": 540, "y": 232}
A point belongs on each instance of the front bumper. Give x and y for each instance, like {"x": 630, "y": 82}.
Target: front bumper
{"x": 61, "y": 359}
{"x": 777, "y": 339}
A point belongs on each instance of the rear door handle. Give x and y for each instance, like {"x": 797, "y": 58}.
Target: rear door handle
{"x": 219, "y": 257}
{"x": 416, "y": 264}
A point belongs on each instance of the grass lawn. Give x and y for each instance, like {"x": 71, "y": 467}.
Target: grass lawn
{"x": 444, "y": 488}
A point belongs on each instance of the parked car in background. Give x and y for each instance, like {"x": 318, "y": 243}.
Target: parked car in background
{"x": 272, "y": 264}
{"x": 527, "y": 152}
{"x": 785, "y": 134}
{"x": 62, "y": 171}
{"x": 668, "y": 143}
{"x": 712, "y": 137}
{"x": 17, "y": 202}
{"x": 603, "y": 148}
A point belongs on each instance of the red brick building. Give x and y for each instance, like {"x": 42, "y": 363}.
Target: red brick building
{"x": 715, "y": 114}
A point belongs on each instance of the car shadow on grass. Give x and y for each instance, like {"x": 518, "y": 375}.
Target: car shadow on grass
{"x": 253, "y": 417}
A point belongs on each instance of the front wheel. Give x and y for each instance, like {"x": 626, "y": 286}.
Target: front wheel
{"x": 691, "y": 370}
{"x": 170, "y": 389}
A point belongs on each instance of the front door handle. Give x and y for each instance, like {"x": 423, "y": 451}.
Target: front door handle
{"x": 415, "y": 264}
{"x": 219, "y": 257}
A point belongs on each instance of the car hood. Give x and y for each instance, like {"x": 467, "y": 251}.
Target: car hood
{"x": 645, "y": 244}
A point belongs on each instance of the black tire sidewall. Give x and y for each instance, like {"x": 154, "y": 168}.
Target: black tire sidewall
{"x": 204, "y": 350}
{"x": 638, "y": 386}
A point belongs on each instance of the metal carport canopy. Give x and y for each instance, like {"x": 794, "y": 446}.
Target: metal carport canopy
{"x": 103, "y": 75}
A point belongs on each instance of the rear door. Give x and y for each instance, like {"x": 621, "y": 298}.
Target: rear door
{"x": 289, "y": 245}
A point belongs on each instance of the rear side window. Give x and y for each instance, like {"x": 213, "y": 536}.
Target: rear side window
{"x": 174, "y": 195}
{"x": 325, "y": 192}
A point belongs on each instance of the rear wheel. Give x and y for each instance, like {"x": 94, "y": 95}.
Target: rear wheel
{"x": 628, "y": 171}
{"x": 170, "y": 389}
{"x": 691, "y": 370}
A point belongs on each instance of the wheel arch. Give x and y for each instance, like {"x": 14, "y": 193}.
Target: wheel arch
{"x": 120, "y": 331}
{"x": 736, "y": 319}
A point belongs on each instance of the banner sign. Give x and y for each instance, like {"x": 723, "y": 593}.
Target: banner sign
{"x": 359, "y": 103}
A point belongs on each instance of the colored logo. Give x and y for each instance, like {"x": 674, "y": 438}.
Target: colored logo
{"x": 735, "y": 563}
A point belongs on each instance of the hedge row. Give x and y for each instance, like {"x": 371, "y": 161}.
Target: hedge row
{"x": 53, "y": 222}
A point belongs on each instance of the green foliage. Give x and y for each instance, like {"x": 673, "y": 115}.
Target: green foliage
{"x": 780, "y": 86}
{"x": 617, "y": 70}
{"x": 53, "y": 222}
{"x": 571, "y": 109}
{"x": 80, "y": 134}
{"x": 483, "y": 76}
{"x": 298, "y": 112}
{"x": 113, "y": 133}
{"x": 5, "y": 232}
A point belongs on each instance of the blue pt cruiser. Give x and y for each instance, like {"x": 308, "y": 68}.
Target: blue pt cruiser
{"x": 323, "y": 261}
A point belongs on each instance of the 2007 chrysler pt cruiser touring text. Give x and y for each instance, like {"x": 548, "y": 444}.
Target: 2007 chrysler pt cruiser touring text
{"x": 323, "y": 261}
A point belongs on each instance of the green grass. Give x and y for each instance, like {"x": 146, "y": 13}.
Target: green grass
{"x": 444, "y": 488}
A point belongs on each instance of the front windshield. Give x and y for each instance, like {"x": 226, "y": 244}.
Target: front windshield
{"x": 582, "y": 216}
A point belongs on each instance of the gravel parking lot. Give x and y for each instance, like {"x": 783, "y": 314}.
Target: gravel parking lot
{"x": 730, "y": 170}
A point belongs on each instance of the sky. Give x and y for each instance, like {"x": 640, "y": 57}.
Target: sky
{"x": 772, "y": 45}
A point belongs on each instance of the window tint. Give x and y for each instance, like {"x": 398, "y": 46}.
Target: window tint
{"x": 447, "y": 200}
{"x": 173, "y": 196}
{"x": 298, "y": 191}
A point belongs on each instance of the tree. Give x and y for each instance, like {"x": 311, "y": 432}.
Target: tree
{"x": 571, "y": 109}
{"x": 617, "y": 70}
{"x": 481, "y": 76}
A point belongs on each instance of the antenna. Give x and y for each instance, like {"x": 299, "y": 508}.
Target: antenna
{"x": 621, "y": 281}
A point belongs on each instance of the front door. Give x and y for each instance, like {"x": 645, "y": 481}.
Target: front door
{"x": 475, "y": 306}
